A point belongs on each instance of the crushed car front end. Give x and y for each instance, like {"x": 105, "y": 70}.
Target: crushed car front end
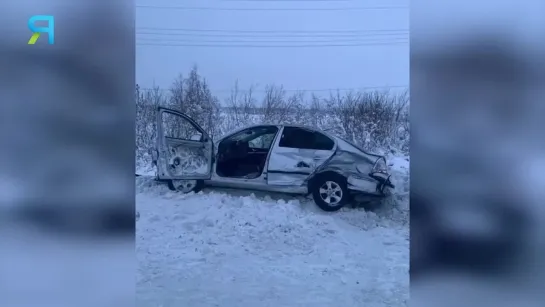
{"x": 369, "y": 182}
{"x": 367, "y": 175}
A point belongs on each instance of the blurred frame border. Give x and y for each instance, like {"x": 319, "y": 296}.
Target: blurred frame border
{"x": 67, "y": 167}
{"x": 477, "y": 148}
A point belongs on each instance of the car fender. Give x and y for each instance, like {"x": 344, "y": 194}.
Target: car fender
{"x": 325, "y": 168}
{"x": 344, "y": 163}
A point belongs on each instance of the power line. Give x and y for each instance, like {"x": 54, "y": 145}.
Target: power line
{"x": 267, "y": 37}
{"x": 273, "y": 35}
{"x": 272, "y": 46}
{"x": 340, "y": 40}
{"x": 273, "y": 31}
{"x": 191, "y": 8}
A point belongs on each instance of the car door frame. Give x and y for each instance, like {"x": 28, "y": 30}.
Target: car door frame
{"x": 292, "y": 174}
{"x": 163, "y": 143}
{"x": 259, "y": 183}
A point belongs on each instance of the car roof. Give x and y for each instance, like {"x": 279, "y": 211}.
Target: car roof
{"x": 278, "y": 125}
{"x": 333, "y": 136}
{"x": 283, "y": 125}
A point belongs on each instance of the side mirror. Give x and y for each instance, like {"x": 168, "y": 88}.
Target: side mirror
{"x": 196, "y": 137}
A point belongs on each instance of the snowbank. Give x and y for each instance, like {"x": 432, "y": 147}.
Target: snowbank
{"x": 221, "y": 248}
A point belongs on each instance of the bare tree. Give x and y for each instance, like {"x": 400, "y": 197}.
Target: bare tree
{"x": 192, "y": 96}
{"x": 146, "y": 125}
{"x": 240, "y": 108}
{"x": 373, "y": 120}
{"x": 273, "y": 105}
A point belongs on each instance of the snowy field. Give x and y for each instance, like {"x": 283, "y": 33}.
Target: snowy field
{"x": 235, "y": 248}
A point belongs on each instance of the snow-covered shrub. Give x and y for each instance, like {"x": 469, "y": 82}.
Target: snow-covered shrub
{"x": 375, "y": 120}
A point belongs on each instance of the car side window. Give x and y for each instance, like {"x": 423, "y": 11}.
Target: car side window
{"x": 322, "y": 142}
{"x": 262, "y": 142}
{"x": 294, "y": 137}
{"x": 241, "y": 135}
{"x": 177, "y": 127}
{"x": 257, "y": 137}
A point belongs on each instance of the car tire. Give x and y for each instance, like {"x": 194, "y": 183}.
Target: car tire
{"x": 330, "y": 192}
{"x": 185, "y": 186}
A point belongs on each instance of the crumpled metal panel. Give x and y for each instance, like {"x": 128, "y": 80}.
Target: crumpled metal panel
{"x": 346, "y": 161}
{"x": 293, "y": 160}
{"x": 347, "y": 158}
{"x": 363, "y": 185}
{"x": 292, "y": 166}
{"x": 184, "y": 160}
{"x": 288, "y": 159}
{"x": 187, "y": 161}
{"x": 180, "y": 157}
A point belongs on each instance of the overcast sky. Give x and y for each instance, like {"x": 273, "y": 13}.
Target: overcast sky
{"x": 377, "y": 31}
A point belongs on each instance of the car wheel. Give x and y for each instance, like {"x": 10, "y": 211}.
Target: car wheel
{"x": 186, "y": 186}
{"x": 330, "y": 192}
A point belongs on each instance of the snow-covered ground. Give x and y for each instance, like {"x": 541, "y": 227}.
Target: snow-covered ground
{"x": 226, "y": 248}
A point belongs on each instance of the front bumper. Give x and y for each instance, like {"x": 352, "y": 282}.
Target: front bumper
{"x": 377, "y": 184}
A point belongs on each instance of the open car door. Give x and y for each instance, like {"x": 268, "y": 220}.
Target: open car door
{"x": 184, "y": 149}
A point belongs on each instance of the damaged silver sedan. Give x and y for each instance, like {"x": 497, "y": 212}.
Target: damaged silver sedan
{"x": 275, "y": 158}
